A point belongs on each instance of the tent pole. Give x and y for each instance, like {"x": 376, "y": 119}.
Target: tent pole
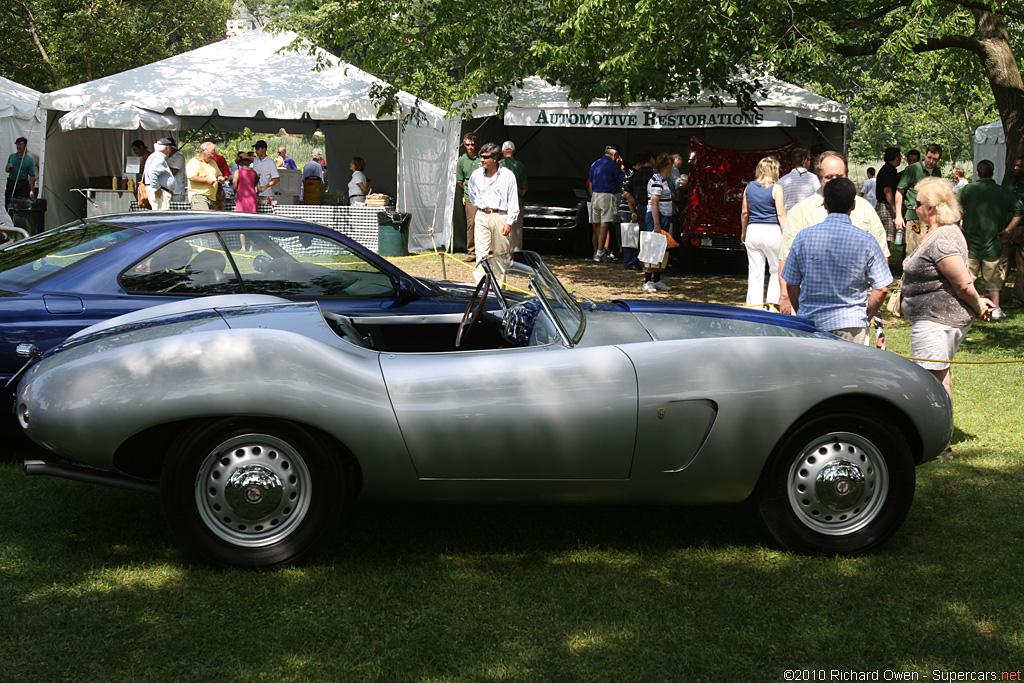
{"x": 399, "y": 190}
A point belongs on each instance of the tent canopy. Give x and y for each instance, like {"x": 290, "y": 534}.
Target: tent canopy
{"x": 252, "y": 81}
{"x": 248, "y": 76}
{"x": 117, "y": 116}
{"x": 782, "y": 105}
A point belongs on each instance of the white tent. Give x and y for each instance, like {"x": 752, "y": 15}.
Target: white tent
{"x": 558, "y": 138}
{"x": 540, "y": 104}
{"x": 990, "y": 143}
{"x": 20, "y": 116}
{"x": 249, "y": 81}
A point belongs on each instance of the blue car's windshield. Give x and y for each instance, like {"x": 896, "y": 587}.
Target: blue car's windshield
{"x": 28, "y": 262}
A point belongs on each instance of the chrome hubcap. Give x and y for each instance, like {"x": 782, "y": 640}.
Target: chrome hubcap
{"x": 838, "y": 483}
{"x": 253, "y": 490}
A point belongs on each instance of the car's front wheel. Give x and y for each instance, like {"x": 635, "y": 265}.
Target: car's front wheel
{"x": 239, "y": 494}
{"x": 840, "y": 482}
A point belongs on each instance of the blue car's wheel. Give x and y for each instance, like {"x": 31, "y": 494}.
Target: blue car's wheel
{"x": 839, "y": 483}
{"x": 241, "y": 494}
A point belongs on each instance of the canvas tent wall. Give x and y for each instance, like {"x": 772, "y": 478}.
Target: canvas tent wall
{"x": 248, "y": 82}
{"x": 990, "y": 143}
{"x": 557, "y": 135}
{"x": 20, "y": 116}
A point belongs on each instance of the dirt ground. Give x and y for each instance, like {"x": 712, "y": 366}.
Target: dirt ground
{"x": 724, "y": 282}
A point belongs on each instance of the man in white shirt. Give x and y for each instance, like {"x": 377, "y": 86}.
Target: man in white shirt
{"x": 266, "y": 169}
{"x": 800, "y": 183}
{"x": 496, "y": 198}
{"x": 867, "y": 190}
{"x": 176, "y": 162}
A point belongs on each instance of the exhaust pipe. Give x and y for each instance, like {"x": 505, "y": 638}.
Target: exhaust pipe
{"x": 89, "y": 475}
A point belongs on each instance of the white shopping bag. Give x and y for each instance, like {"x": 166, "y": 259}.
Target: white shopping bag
{"x": 630, "y": 235}
{"x": 653, "y": 246}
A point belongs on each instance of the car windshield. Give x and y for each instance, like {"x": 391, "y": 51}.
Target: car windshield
{"x": 542, "y": 282}
{"x": 29, "y": 262}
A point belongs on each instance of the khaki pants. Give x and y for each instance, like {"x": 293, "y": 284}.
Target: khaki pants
{"x": 489, "y": 238}
{"x": 200, "y": 202}
{"x": 471, "y": 230}
{"x": 857, "y": 335}
{"x": 159, "y": 199}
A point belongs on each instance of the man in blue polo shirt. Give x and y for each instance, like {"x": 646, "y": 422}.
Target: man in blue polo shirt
{"x": 831, "y": 266}
{"x": 605, "y": 182}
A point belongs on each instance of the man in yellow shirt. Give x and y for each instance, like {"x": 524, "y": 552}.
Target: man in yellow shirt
{"x": 203, "y": 179}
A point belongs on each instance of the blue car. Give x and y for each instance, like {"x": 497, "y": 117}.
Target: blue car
{"x": 64, "y": 280}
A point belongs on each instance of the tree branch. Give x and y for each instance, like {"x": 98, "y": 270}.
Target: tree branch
{"x": 972, "y": 45}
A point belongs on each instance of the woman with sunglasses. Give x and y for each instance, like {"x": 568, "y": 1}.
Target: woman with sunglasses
{"x": 939, "y": 298}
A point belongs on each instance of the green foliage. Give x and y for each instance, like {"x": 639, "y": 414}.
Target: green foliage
{"x": 906, "y": 101}
{"x": 49, "y": 45}
{"x": 899, "y": 90}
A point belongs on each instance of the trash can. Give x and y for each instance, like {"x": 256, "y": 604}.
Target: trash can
{"x": 28, "y": 213}
{"x": 393, "y": 233}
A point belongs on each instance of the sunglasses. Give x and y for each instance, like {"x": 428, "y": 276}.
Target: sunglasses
{"x": 834, "y": 176}
{"x": 488, "y": 156}
{"x": 918, "y": 205}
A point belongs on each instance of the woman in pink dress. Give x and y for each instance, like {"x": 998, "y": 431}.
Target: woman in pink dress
{"x": 244, "y": 181}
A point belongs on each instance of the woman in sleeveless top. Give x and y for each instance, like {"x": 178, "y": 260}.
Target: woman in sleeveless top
{"x": 762, "y": 218}
{"x": 244, "y": 181}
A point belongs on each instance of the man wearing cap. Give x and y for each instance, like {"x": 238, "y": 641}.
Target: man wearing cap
{"x": 176, "y": 162}
{"x": 266, "y": 169}
{"x": 508, "y": 160}
{"x": 203, "y": 179}
{"x": 157, "y": 176}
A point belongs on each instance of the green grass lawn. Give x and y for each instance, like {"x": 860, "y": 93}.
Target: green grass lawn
{"x": 94, "y": 590}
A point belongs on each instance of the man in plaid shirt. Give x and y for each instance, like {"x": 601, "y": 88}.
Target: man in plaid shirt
{"x": 831, "y": 266}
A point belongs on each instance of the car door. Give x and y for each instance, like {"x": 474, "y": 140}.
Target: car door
{"x": 545, "y": 412}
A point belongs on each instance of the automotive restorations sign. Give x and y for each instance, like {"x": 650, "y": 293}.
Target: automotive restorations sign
{"x": 640, "y": 118}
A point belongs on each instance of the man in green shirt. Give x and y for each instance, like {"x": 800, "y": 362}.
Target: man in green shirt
{"x": 1013, "y": 248}
{"x": 21, "y": 174}
{"x": 508, "y": 160}
{"x": 991, "y": 214}
{"x": 467, "y": 163}
{"x": 906, "y": 197}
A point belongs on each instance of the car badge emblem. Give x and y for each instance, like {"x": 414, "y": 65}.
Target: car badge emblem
{"x": 253, "y": 494}
{"x": 843, "y": 487}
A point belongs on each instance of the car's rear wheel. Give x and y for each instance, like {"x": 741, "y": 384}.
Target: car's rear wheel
{"x": 239, "y": 494}
{"x": 839, "y": 483}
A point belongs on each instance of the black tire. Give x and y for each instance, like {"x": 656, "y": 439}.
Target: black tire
{"x": 236, "y": 493}
{"x": 839, "y": 483}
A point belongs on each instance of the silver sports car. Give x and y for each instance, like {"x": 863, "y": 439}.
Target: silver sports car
{"x": 255, "y": 419}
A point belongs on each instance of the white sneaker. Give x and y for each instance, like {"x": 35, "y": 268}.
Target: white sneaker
{"x": 661, "y": 286}
{"x": 997, "y": 314}
{"x": 649, "y": 287}
{"x": 600, "y": 256}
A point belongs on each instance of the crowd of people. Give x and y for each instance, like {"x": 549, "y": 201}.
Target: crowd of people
{"x": 207, "y": 179}
{"x": 834, "y": 248}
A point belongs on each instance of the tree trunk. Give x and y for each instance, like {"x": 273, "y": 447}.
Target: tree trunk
{"x": 1004, "y": 76}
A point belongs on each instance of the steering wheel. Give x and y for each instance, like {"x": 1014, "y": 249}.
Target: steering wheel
{"x": 471, "y": 315}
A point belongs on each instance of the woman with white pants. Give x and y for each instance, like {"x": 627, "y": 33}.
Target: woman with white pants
{"x": 762, "y": 219}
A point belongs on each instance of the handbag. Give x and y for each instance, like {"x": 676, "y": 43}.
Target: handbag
{"x": 895, "y": 305}
{"x": 630, "y": 235}
{"x": 653, "y": 247}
